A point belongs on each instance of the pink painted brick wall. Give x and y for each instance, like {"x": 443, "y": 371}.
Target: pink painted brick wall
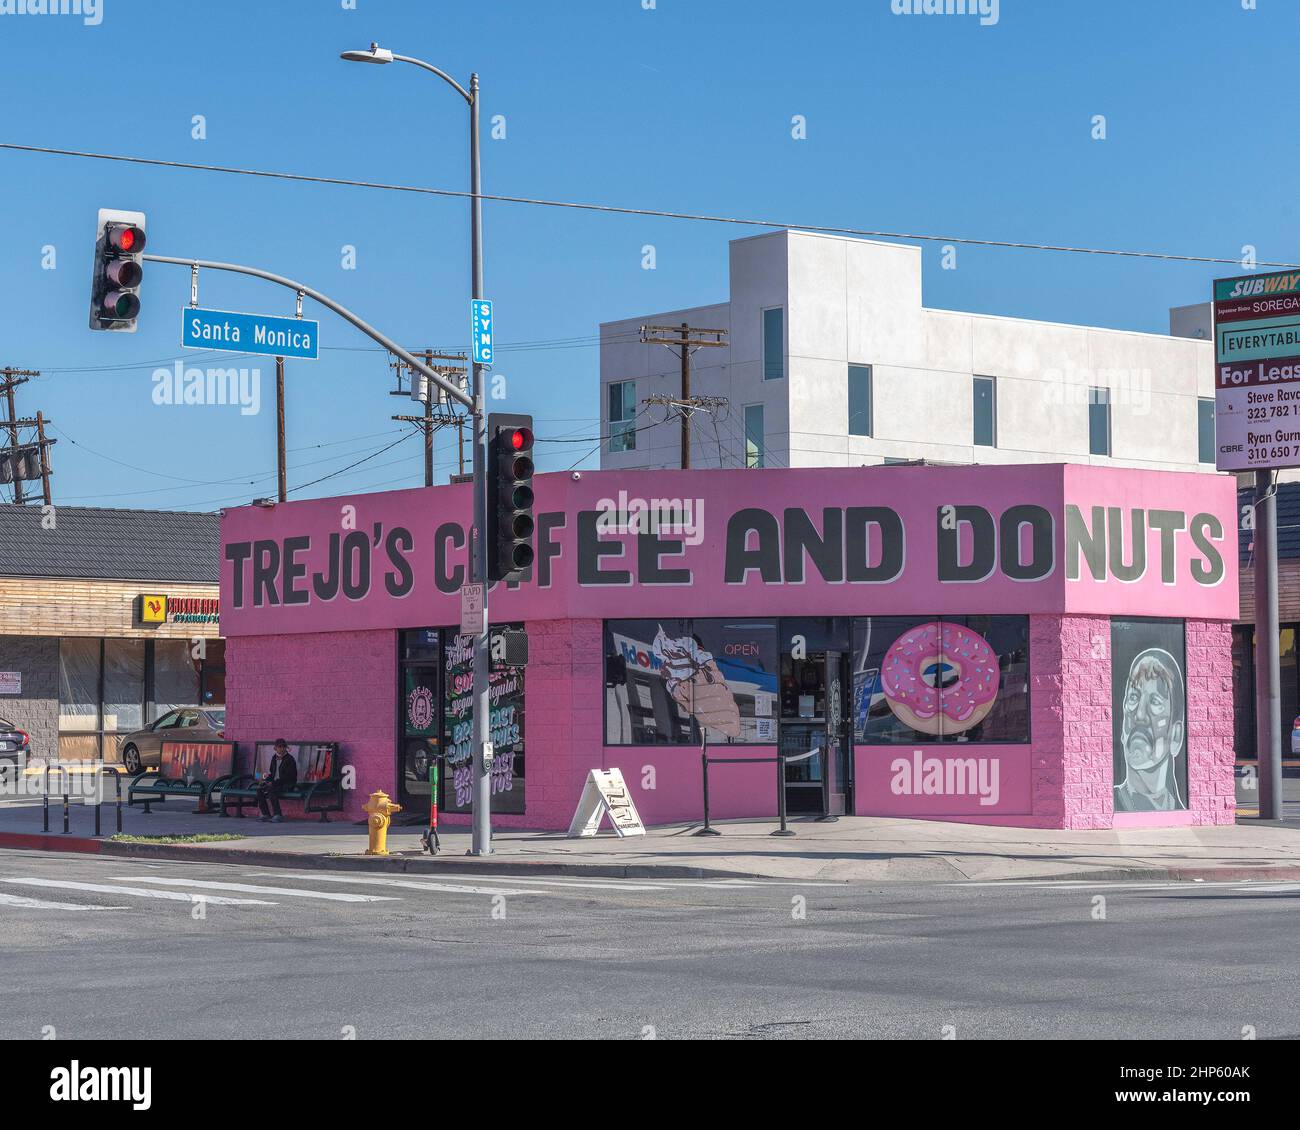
{"x": 342, "y": 686}
{"x": 328, "y": 686}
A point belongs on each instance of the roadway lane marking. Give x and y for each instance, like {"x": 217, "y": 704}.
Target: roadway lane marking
{"x": 139, "y": 892}
{"x": 415, "y": 885}
{"x": 41, "y": 904}
{"x": 248, "y": 888}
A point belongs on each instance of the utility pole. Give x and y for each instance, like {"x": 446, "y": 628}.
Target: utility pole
{"x": 432, "y": 422}
{"x": 18, "y": 466}
{"x": 686, "y": 339}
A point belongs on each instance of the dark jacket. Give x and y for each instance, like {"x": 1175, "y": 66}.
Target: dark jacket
{"x": 284, "y": 775}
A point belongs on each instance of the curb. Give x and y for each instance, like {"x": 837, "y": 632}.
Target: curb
{"x": 415, "y": 865}
{"x": 462, "y": 865}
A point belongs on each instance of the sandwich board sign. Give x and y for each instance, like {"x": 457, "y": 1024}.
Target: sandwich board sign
{"x": 605, "y": 792}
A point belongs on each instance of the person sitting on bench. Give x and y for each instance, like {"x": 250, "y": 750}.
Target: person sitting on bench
{"x": 283, "y": 774}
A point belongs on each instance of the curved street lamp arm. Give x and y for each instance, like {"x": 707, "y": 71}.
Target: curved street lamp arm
{"x": 342, "y": 311}
{"x": 465, "y": 94}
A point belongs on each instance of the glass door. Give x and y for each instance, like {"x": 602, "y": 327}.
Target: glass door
{"x": 419, "y": 722}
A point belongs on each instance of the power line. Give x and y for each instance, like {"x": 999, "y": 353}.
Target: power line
{"x": 653, "y": 213}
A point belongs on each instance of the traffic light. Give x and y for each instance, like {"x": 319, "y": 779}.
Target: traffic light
{"x": 119, "y": 257}
{"x": 510, "y": 496}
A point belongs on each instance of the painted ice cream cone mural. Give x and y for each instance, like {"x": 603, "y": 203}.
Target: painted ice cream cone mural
{"x": 696, "y": 684}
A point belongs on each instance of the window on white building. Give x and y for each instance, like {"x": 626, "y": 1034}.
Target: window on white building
{"x": 755, "y": 450}
{"x": 1099, "y": 421}
{"x": 1205, "y": 427}
{"x": 860, "y": 401}
{"x": 622, "y": 416}
{"x": 986, "y": 412}
{"x": 774, "y": 344}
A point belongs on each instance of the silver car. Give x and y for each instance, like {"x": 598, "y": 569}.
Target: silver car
{"x": 143, "y": 749}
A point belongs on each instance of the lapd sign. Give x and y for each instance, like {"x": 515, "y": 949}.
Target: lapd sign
{"x": 1257, "y": 372}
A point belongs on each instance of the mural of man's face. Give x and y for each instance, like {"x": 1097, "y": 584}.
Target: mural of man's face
{"x": 1152, "y": 730}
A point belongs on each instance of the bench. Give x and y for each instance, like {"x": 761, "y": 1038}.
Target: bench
{"x": 320, "y": 780}
{"x": 187, "y": 769}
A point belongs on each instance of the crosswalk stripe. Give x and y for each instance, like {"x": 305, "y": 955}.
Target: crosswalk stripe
{"x": 139, "y": 892}
{"x": 41, "y": 904}
{"x": 417, "y": 885}
{"x": 248, "y": 888}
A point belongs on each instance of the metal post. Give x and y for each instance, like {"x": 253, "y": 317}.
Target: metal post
{"x": 65, "y": 806}
{"x": 279, "y": 428}
{"x": 708, "y": 829}
{"x": 100, "y": 804}
{"x": 1268, "y": 710}
{"x": 481, "y": 842}
{"x": 784, "y": 829}
{"x": 118, "y": 778}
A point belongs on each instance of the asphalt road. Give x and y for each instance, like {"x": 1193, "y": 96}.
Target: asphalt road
{"x": 111, "y": 948}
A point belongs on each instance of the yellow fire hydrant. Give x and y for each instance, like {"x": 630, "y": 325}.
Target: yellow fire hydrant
{"x": 380, "y": 810}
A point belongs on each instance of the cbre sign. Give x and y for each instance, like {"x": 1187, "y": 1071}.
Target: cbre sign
{"x": 1257, "y": 372}
{"x": 250, "y": 333}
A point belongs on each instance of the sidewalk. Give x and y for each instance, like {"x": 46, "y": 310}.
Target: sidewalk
{"x": 854, "y": 849}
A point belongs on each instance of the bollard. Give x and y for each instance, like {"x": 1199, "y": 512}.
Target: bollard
{"x": 380, "y": 811}
{"x": 65, "y": 809}
{"x": 118, "y": 778}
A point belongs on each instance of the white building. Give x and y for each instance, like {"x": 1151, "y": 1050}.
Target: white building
{"x": 832, "y": 360}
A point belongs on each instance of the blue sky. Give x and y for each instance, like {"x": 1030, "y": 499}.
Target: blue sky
{"x": 915, "y": 123}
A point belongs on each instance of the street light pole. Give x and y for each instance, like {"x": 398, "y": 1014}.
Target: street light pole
{"x": 481, "y": 841}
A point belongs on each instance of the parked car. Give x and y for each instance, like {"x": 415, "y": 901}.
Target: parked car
{"x": 142, "y": 749}
{"x": 15, "y": 745}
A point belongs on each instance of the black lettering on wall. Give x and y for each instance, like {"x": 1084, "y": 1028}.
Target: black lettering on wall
{"x": 1135, "y": 568}
{"x": 266, "y": 565}
{"x": 825, "y": 549}
{"x": 1169, "y": 523}
{"x": 294, "y": 571}
{"x": 400, "y": 579}
{"x": 765, "y": 557}
{"x": 591, "y": 549}
{"x": 453, "y": 534}
{"x": 1042, "y": 543}
{"x": 326, "y": 585}
{"x": 650, "y": 547}
{"x": 356, "y": 565}
{"x": 548, "y": 548}
{"x": 1205, "y": 530}
{"x": 858, "y": 521}
{"x": 984, "y": 544}
{"x": 1081, "y": 540}
{"x": 237, "y": 552}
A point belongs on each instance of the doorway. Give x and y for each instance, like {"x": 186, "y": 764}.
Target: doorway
{"x": 815, "y": 733}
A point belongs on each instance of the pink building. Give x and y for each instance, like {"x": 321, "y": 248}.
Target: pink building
{"x": 1044, "y": 645}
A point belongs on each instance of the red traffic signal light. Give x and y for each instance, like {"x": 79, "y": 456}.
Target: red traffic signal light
{"x": 126, "y": 238}
{"x": 510, "y": 496}
{"x": 118, "y": 271}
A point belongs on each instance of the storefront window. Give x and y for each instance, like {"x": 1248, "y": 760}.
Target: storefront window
{"x": 668, "y": 680}
{"x": 925, "y": 679}
{"x": 123, "y": 685}
{"x": 79, "y": 684}
{"x": 506, "y": 724}
{"x": 175, "y": 678}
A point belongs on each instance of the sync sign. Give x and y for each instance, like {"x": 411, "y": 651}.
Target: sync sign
{"x": 250, "y": 333}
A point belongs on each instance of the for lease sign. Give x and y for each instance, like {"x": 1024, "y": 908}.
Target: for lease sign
{"x": 1257, "y": 371}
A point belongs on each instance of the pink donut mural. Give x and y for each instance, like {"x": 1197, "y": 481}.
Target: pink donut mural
{"x": 940, "y": 677}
